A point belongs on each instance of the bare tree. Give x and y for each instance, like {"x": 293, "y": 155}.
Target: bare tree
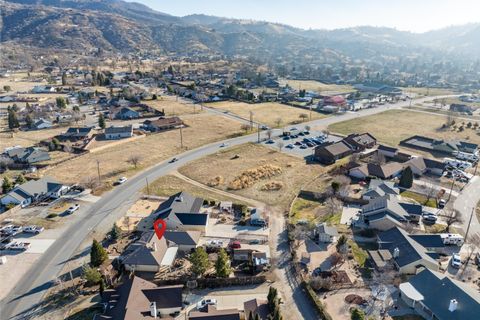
{"x": 430, "y": 190}
{"x": 452, "y": 216}
{"x": 319, "y": 283}
{"x": 307, "y": 128}
{"x": 303, "y": 116}
{"x": 269, "y": 134}
{"x": 473, "y": 241}
{"x": 326, "y": 133}
{"x": 91, "y": 183}
{"x": 278, "y": 122}
{"x": 245, "y": 127}
{"x": 134, "y": 160}
{"x": 333, "y": 206}
{"x": 336, "y": 259}
{"x": 67, "y": 147}
{"x": 280, "y": 145}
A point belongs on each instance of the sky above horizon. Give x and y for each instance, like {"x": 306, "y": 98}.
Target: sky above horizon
{"x": 409, "y": 15}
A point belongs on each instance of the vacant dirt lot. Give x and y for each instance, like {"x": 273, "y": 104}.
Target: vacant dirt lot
{"x": 173, "y": 106}
{"x": 393, "y": 126}
{"x": 266, "y": 113}
{"x": 311, "y": 85}
{"x": 224, "y": 167}
{"x": 27, "y": 138}
{"x": 202, "y": 129}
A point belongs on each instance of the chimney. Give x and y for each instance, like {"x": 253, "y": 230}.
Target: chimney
{"x": 154, "y": 247}
{"x": 453, "y": 305}
{"x": 153, "y": 309}
{"x": 396, "y": 252}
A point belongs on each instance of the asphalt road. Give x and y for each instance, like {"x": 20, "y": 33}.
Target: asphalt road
{"x": 22, "y": 301}
{"x": 465, "y": 205}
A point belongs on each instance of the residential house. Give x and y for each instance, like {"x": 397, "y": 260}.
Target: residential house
{"x": 186, "y": 241}
{"x": 328, "y": 154}
{"x": 139, "y": 299}
{"x": 211, "y": 313}
{"x": 379, "y": 188}
{"x": 384, "y": 171}
{"x": 127, "y": 113}
{"x": 462, "y": 108}
{"x": 334, "y": 101}
{"x": 326, "y": 233}
{"x": 421, "y": 165}
{"x": 75, "y": 134}
{"x": 163, "y": 124}
{"x": 383, "y": 213}
{"x": 43, "y": 89}
{"x": 408, "y": 255}
{"x": 41, "y": 124}
{"x": 34, "y": 190}
{"x": 28, "y": 155}
{"x": 377, "y": 88}
{"x": 149, "y": 254}
{"x": 436, "y": 296}
{"x": 181, "y": 212}
{"x": 120, "y": 132}
{"x": 440, "y": 146}
{"x": 258, "y": 259}
{"x": 256, "y": 307}
{"x": 386, "y": 151}
{"x": 360, "y": 142}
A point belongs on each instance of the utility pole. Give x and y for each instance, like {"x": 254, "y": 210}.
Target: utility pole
{"x": 469, "y": 222}
{"x": 258, "y": 132}
{"x": 310, "y": 112}
{"x": 148, "y": 188}
{"x": 251, "y": 120}
{"x": 98, "y": 170}
{"x": 181, "y": 137}
{"x": 451, "y": 189}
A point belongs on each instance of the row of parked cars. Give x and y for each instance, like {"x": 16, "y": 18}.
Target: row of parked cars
{"x": 9, "y": 231}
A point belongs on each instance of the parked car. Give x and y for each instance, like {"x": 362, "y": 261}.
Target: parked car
{"x": 430, "y": 218}
{"x": 290, "y": 146}
{"x": 33, "y": 229}
{"x": 214, "y": 243}
{"x": 270, "y": 141}
{"x": 224, "y": 145}
{"x": 173, "y": 160}
{"x": 72, "y": 209}
{"x": 121, "y": 180}
{"x": 234, "y": 245}
{"x": 206, "y": 302}
{"x": 442, "y": 203}
{"x": 265, "y": 127}
{"x": 456, "y": 261}
{"x": 18, "y": 246}
{"x": 254, "y": 241}
{"x": 11, "y": 230}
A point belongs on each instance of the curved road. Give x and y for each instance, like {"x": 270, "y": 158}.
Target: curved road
{"x": 29, "y": 291}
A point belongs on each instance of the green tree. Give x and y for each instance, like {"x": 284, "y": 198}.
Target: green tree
{"x": 76, "y": 108}
{"x": 12, "y": 119}
{"x": 91, "y": 275}
{"x": 20, "y": 179}
{"x": 7, "y": 88}
{"x": 64, "y": 79}
{"x": 28, "y": 120}
{"x": 357, "y": 314}
{"x": 272, "y": 297}
{"x": 97, "y": 254}
{"x": 101, "y": 121}
{"x": 7, "y": 185}
{"x": 116, "y": 232}
{"x": 406, "y": 180}
{"x": 341, "y": 242}
{"x": 61, "y": 102}
{"x": 56, "y": 144}
{"x": 222, "y": 265}
{"x": 199, "y": 260}
{"x": 335, "y": 186}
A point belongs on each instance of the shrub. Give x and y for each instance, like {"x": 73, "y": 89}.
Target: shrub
{"x": 52, "y": 215}
{"x": 312, "y": 296}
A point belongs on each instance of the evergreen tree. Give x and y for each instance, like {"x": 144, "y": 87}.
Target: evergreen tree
{"x": 101, "y": 121}
{"x": 20, "y": 179}
{"x": 115, "y": 232}
{"x": 97, "y": 254}
{"x": 406, "y": 180}
{"x": 271, "y": 298}
{"x": 64, "y": 79}
{"x": 357, "y": 314}
{"x": 61, "y": 102}
{"x": 199, "y": 260}
{"x": 7, "y": 185}
{"x": 28, "y": 120}
{"x": 12, "y": 119}
{"x": 91, "y": 275}
{"x": 222, "y": 265}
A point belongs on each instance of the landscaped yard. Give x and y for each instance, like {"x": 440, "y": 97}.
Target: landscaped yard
{"x": 202, "y": 129}
{"x": 312, "y": 85}
{"x": 266, "y": 113}
{"x": 255, "y": 172}
{"x": 393, "y": 126}
{"x": 360, "y": 255}
{"x": 303, "y": 209}
{"x": 420, "y": 198}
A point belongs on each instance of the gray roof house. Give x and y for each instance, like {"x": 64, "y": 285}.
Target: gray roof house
{"x": 385, "y": 212}
{"x": 28, "y": 155}
{"x": 185, "y": 240}
{"x": 435, "y": 296}
{"x": 34, "y": 190}
{"x": 326, "y": 233}
{"x": 120, "y": 132}
{"x": 139, "y": 299}
{"x": 149, "y": 254}
{"x": 408, "y": 254}
{"x": 379, "y": 188}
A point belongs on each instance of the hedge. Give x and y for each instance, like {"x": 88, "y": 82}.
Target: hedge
{"x": 312, "y": 296}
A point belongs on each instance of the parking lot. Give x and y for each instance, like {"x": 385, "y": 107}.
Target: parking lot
{"x": 301, "y": 143}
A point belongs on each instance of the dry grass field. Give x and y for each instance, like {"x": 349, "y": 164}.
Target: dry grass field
{"x": 27, "y": 138}
{"x": 266, "y": 113}
{"x": 393, "y": 126}
{"x": 312, "y": 85}
{"x": 427, "y": 91}
{"x": 173, "y": 107}
{"x": 202, "y": 129}
{"x": 256, "y": 167}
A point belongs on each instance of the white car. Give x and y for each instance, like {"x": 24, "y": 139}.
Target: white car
{"x": 18, "y": 246}
{"x": 72, "y": 209}
{"x": 224, "y": 145}
{"x": 214, "y": 244}
{"x": 456, "y": 261}
{"x": 122, "y": 180}
{"x": 33, "y": 229}
{"x": 206, "y": 302}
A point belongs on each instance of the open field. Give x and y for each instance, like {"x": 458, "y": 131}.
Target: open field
{"x": 427, "y": 91}
{"x": 202, "y": 129}
{"x": 266, "y": 113}
{"x": 312, "y": 85}
{"x": 173, "y": 106}
{"x": 27, "y": 138}
{"x": 393, "y": 126}
{"x": 250, "y": 174}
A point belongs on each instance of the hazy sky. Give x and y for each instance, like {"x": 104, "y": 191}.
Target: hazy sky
{"x": 412, "y": 15}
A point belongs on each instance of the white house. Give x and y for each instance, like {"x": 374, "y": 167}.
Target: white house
{"x": 114, "y": 133}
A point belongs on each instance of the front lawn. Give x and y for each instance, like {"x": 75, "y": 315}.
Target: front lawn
{"x": 420, "y": 198}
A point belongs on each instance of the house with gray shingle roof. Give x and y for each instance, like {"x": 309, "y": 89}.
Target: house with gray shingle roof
{"x": 435, "y": 296}
{"x": 379, "y": 188}
{"x": 34, "y": 190}
{"x": 185, "y": 240}
{"x": 28, "y": 155}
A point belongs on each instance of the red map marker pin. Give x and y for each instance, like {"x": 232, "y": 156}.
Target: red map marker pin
{"x": 160, "y": 226}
